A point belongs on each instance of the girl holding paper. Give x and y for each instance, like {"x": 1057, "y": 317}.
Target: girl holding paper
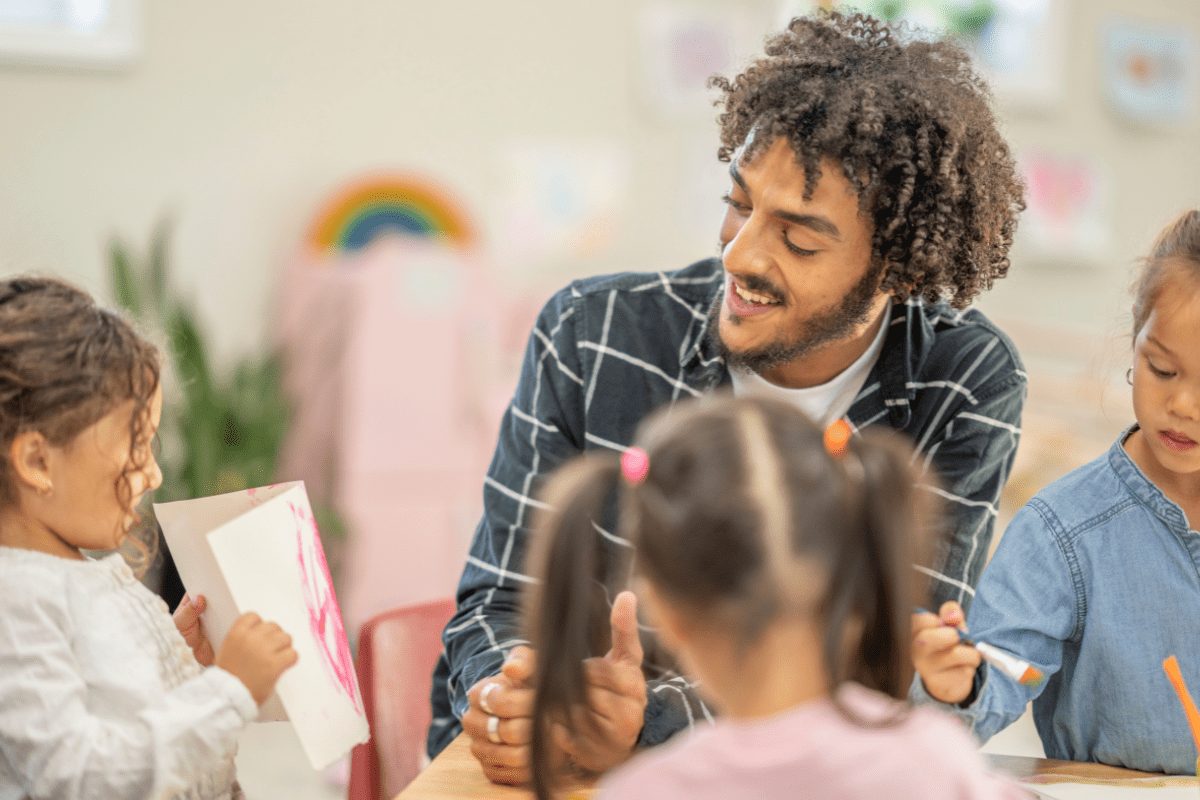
{"x": 100, "y": 696}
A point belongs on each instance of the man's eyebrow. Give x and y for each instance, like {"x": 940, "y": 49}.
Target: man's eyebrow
{"x": 815, "y": 222}
{"x": 737, "y": 176}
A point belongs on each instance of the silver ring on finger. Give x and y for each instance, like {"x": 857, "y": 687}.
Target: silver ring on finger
{"x": 493, "y": 729}
{"x": 483, "y": 697}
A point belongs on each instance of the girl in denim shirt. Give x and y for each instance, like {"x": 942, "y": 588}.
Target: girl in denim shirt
{"x": 1097, "y": 578}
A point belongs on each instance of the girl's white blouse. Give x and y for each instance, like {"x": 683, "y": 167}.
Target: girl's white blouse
{"x": 100, "y": 697}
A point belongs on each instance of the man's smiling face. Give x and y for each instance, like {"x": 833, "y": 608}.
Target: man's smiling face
{"x": 800, "y": 283}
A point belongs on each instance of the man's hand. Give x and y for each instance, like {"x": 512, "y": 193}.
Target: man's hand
{"x": 187, "y": 620}
{"x": 509, "y": 698}
{"x": 947, "y": 667}
{"x": 606, "y": 731}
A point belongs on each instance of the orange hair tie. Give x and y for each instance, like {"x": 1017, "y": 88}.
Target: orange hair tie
{"x": 837, "y": 437}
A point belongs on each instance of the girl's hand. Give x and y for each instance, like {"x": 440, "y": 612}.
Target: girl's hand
{"x": 946, "y": 666}
{"x": 187, "y": 620}
{"x": 256, "y": 653}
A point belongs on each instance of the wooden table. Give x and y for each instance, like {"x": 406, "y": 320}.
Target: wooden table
{"x": 455, "y": 775}
{"x": 1042, "y": 771}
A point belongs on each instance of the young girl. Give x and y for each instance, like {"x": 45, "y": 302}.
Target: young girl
{"x": 100, "y": 697}
{"x": 778, "y": 570}
{"x": 1097, "y": 579}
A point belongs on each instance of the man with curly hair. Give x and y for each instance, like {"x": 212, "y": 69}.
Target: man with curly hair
{"x": 871, "y": 198}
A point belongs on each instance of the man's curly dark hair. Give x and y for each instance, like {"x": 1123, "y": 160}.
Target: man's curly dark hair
{"x": 910, "y": 122}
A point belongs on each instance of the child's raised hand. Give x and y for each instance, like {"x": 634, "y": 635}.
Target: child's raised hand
{"x": 256, "y": 653}
{"x": 946, "y": 666}
{"x": 187, "y": 620}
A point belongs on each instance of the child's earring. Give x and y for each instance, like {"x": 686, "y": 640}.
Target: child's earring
{"x": 1129, "y": 376}
{"x": 44, "y": 486}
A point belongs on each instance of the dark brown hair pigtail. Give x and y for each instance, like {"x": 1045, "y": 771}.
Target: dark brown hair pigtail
{"x": 564, "y": 611}
{"x": 876, "y": 583}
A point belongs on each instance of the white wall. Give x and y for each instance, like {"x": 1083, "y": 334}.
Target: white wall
{"x": 240, "y": 118}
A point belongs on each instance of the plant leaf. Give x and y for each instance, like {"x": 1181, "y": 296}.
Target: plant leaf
{"x": 156, "y": 277}
{"x": 191, "y": 360}
{"x": 121, "y": 277}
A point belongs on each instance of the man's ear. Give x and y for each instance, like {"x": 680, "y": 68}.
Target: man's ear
{"x": 30, "y": 458}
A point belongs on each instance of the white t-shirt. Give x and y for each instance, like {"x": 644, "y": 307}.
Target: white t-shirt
{"x": 826, "y": 402}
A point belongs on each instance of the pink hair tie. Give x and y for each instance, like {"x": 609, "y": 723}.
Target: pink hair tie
{"x": 634, "y": 465}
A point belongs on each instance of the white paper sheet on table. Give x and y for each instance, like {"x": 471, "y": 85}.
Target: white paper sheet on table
{"x": 259, "y": 550}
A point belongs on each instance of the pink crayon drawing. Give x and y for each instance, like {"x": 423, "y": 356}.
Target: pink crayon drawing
{"x": 324, "y": 617}
{"x": 255, "y": 500}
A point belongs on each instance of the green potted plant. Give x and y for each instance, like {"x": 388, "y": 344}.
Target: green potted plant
{"x": 219, "y": 432}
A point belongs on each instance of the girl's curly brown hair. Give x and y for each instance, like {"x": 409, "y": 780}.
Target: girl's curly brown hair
{"x": 910, "y": 123}
{"x": 64, "y": 364}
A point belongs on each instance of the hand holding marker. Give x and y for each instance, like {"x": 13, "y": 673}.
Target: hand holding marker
{"x": 1020, "y": 671}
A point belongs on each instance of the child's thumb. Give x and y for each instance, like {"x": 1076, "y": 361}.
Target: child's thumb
{"x": 626, "y": 645}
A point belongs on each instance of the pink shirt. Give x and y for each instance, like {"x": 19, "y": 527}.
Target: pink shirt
{"x": 812, "y": 751}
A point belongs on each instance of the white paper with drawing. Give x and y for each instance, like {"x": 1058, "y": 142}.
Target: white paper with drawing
{"x": 258, "y": 550}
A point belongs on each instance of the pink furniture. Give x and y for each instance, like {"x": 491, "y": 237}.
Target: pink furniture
{"x": 397, "y": 651}
{"x": 401, "y": 359}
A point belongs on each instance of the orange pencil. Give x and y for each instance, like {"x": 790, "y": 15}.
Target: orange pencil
{"x": 1171, "y": 667}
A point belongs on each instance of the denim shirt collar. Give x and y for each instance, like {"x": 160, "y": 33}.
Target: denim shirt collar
{"x": 1144, "y": 490}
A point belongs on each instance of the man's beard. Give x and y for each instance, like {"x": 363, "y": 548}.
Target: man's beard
{"x": 824, "y": 327}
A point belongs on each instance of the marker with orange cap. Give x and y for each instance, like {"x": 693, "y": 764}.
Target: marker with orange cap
{"x": 1171, "y": 667}
{"x": 1020, "y": 671}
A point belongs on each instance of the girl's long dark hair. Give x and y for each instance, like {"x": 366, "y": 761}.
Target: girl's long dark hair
{"x": 743, "y": 515}
{"x": 566, "y": 617}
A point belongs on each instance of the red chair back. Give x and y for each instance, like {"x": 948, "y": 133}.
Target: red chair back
{"x": 397, "y": 651}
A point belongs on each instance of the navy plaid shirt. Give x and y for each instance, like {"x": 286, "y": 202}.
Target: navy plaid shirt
{"x": 607, "y": 351}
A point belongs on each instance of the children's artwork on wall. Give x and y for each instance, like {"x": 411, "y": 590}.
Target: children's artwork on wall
{"x": 386, "y": 205}
{"x": 682, "y": 46}
{"x": 259, "y": 550}
{"x": 562, "y": 200}
{"x": 1066, "y": 221}
{"x": 1019, "y": 45}
{"x": 1151, "y": 71}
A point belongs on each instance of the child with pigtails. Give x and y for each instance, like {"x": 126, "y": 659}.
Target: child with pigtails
{"x": 774, "y": 561}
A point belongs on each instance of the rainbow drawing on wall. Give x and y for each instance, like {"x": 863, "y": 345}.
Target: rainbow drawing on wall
{"x": 366, "y": 210}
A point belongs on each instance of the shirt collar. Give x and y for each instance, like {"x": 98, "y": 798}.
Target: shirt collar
{"x": 1144, "y": 490}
